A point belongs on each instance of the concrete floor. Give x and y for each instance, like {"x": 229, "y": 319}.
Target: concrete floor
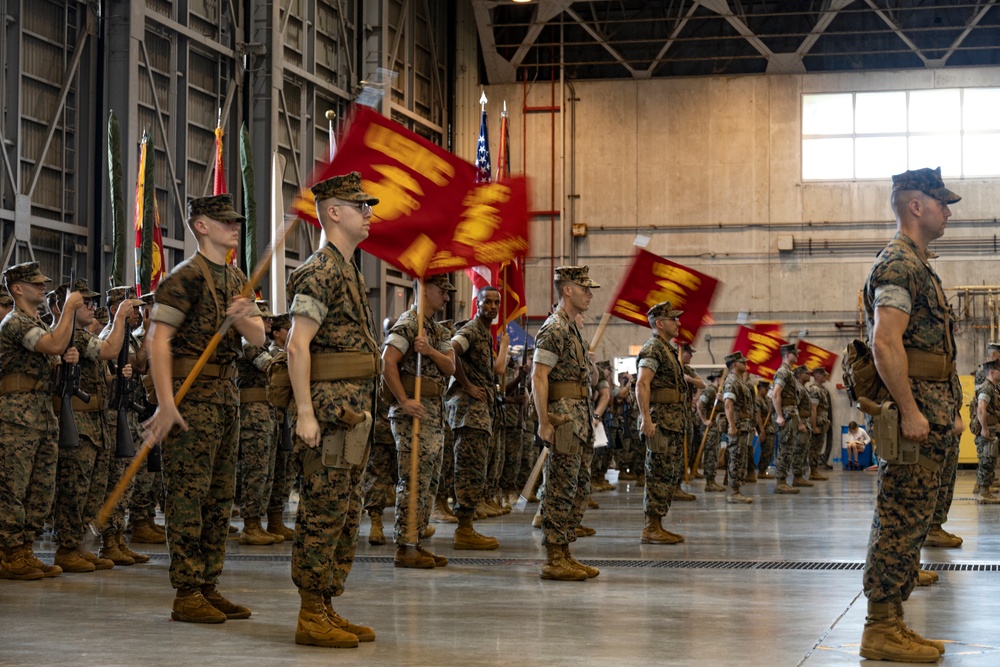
{"x": 774, "y": 583}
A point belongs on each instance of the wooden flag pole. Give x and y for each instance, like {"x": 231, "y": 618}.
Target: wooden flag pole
{"x": 412, "y": 531}
{"x": 711, "y": 418}
{"x": 148, "y": 443}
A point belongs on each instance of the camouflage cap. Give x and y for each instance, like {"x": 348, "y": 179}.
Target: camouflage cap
{"x": 663, "y": 309}
{"x": 799, "y": 370}
{"x": 219, "y": 207}
{"x": 991, "y": 365}
{"x": 346, "y": 188}
{"x": 79, "y": 285}
{"x": 441, "y": 280}
{"x": 686, "y": 347}
{"x": 575, "y": 274}
{"x": 763, "y": 383}
{"x": 6, "y": 301}
{"x": 788, "y": 348}
{"x": 925, "y": 180}
{"x": 820, "y": 370}
{"x": 283, "y": 321}
{"x": 265, "y": 308}
{"x": 147, "y": 299}
{"x": 992, "y": 346}
{"x": 28, "y": 272}
{"x": 102, "y": 315}
{"x": 116, "y": 294}
{"x": 735, "y": 357}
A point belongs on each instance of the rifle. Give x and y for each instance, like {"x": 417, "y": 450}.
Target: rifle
{"x": 123, "y": 400}
{"x": 67, "y": 386}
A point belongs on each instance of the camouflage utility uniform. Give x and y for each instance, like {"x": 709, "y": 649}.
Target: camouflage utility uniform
{"x": 199, "y": 465}
{"x": 740, "y": 447}
{"x": 901, "y": 278}
{"x": 567, "y": 474}
{"x": 329, "y": 290}
{"x": 819, "y": 396}
{"x": 789, "y": 443}
{"x": 764, "y": 410}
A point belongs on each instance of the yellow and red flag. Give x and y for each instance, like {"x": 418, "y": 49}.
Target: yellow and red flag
{"x": 219, "y": 183}
{"x": 761, "y": 345}
{"x": 149, "y": 257}
{"x": 652, "y": 279}
{"x": 813, "y": 355}
{"x": 432, "y": 216}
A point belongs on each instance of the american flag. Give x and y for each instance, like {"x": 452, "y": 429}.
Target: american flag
{"x": 485, "y": 174}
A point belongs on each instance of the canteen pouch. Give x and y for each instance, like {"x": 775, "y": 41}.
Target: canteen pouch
{"x": 994, "y": 448}
{"x": 860, "y": 375}
{"x": 565, "y": 440}
{"x": 659, "y": 443}
{"x": 890, "y": 444}
{"x": 346, "y": 446}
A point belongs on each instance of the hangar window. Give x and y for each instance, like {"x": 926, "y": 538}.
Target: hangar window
{"x": 853, "y": 136}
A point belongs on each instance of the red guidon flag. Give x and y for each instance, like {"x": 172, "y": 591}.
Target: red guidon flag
{"x": 761, "y": 345}
{"x": 813, "y": 356}
{"x": 432, "y": 216}
{"x": 652, "y": 279}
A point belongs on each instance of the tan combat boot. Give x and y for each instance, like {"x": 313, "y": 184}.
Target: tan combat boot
{"x": 111, "y": 550}
{"x": 585, "y": 531}
{"x": 653, "y": 533}
{"x": 376, "y": 536}
{"x": 466, "y": 537}
{"x": 882, "y": 639}
{"x": 362, "y": 632}
{"x": 936, "y": 644}
{"x": 28, "y": 552}
{"x": 441, "y": 513}
{"x": 143, "y": 532}
{"x": 737, "y": 498}
{"x": 712, "y": 487}
{"x": 14, "y": 565}
{"x": 216, "y": 599}
{"x": 98, "y": 562}
{"x": 926, "y": 577}
{"x": 782, "y": 487}
{"x": 275, "y": 526}
{"x": 682, "y": 495}
{"x": 801, "y": 481}
{"x": 427, "y": 532}
{"x": 763, "y": 474}
{"x": 408, "y": 556}
{"x": 137, "y": 557}
{"x": 253, "y": 534}
{"x": 70, "y": 560}
{"x": 751, "y": 477}
{"x": 190, "y": 606}
{"x": 640, "y": 481}
{"x": 939, "y": 537}
{"x": 439, "y": 561}
{"x": 316, "y": 628}
{"x": 987, "y": 498}
{"x": 591, "y": 572}
{"x": 556, "y": 567}
{"x": 592, "y": 504}
{"x": 814, "y": 474}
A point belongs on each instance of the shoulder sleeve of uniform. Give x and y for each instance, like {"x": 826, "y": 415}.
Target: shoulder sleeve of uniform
{"x": 93, "y": 350}
{"x": 651, "y": 363}
{"x": 310, "y": 307}
{"x": 545, "y": 357}
{"x": 893, "y": 296}
{"x": 891, "y": 280}
{"x": 549, "y": 338}
{"x": 462, "y": 341}
{"x": 442, "y": 335}
{"x": 176, "y": 295}
{"x": 31, "y": 338}
{"x": 397, "y": 341}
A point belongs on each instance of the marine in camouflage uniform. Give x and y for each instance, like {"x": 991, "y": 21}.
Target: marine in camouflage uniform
{"x": 819, "y": 421}
{"x": 332, "y": 365}
{"x": 515, "y": 421}
{"x": 199, "y": 464}
{"x": 800, "y": 463}
{"x": 82, "y": 475}
{"x": 738, "y": 400}
{"x": 784, "y": 401}
{"x": 400, "y": 353}
{"x": 147, "y": 486}
{"x": 765, "y": 429}
{"x": 471, "y": 406}
{"x": 710, "y": 411}
{"x": 662, "y": 398}
{"x": 987, "y": 417}
{"x": 114, "y": 547}
{"x": 257, "y": 436}
{"x": 562, "y": 378}
{"x": 280, "y": 393}
{"x": 28, "y": 427}
{"x": 915, "y": 326}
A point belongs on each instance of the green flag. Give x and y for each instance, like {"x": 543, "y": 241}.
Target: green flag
{"x": 249, "y": 200}
{"x": 117, "y": 202}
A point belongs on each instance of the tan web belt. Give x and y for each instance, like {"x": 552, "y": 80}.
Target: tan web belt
{"x": 184, "y": 365}
{"x": 95, "y": 404}
{"x": 343, "y": 366}
{"x": 932, "y": 366}
{"x": 560, "y": 390}
{"x": 20, "y": 382}
{"x": 253, "y": 395}
{"x": 665, "y": 395}
{"x": 427, "y": 387}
